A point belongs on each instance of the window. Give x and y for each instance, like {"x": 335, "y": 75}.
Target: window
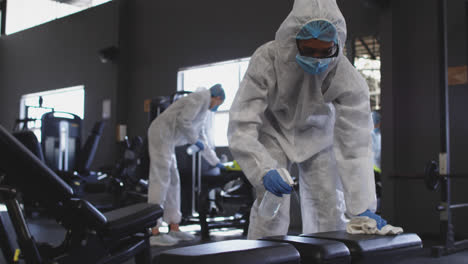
{"x": 367, "y": 61}
{"x": 229, "y": 74}
{"x": 24, "y": 14}
{"x": 370, "y": 69}
{"x": 70, "y": 100}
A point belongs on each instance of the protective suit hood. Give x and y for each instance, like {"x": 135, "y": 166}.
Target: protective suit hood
{"x": 303, "y": 12}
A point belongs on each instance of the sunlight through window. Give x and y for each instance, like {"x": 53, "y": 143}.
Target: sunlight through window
{"x": 32, "y": 107}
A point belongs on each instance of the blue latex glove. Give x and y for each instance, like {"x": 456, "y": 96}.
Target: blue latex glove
{"x": 200, "y": 145}
{"x": 220, "y": 166}
{"x": 275, "y": 184}
{"x": 380, "y": 221}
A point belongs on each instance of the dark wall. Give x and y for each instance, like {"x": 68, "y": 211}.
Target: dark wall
{"x": 362, "y": 19}
{"x": 457, "y": 56}
{"x": 59, "y": 54}
{"x": 411, "y": 111}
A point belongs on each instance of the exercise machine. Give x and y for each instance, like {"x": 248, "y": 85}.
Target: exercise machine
{"x": 336, "y": 247}
{"x": 91, "y": 236}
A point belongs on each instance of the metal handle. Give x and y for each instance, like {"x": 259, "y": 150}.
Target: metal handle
{"x": 454, "y": 206}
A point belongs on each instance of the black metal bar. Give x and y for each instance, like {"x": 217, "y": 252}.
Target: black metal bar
{"x": 26, "y": 241}
{"x": 444, "y": 92}
{"x": 3, "y": 11}
{"x": 456, "y": 206}
{"x": 367, "y": 48}
{"x": 6, "y": 243}
{"x": 445, "y": 216}
{"x": 462, "y": 244}
{"x": 453, "y": 206}
{"x": 422, "y": 176}
{"x": 466, "y": 26}
{"x": 144, "y": 256}
{"x": 438, "y": 251}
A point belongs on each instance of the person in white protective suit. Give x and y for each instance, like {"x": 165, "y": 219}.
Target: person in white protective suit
{"x": 301, "y": 101}
{"x": 181, "y": 123}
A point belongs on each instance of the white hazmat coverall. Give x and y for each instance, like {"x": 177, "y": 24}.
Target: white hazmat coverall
{"x": 181, "y": 123}
{"x": 283, "y": 115}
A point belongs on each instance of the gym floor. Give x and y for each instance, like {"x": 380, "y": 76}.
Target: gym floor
{"x": 48, "y": 230}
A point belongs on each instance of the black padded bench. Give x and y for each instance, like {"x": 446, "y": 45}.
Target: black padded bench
{"x": 316, "y": 250}
{"x": 366, "y": 249}
{"x": 336, "y": 247}
{"x": 81, "y": 184}
{"x": 91, "y": 236}
{"x": 232, "y": 252}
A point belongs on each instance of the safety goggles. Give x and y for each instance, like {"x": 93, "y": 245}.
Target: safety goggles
{"x": 319, "y": 53}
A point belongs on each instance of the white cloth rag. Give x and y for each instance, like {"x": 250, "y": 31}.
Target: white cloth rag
{"x": 366, "y": 225}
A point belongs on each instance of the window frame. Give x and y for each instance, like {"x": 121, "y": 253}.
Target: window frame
{"x": 35, "y": 125}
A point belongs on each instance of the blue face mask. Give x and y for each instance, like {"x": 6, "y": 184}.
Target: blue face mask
{"x": 313, "y": 65}
{"x": 214, "y": 108}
